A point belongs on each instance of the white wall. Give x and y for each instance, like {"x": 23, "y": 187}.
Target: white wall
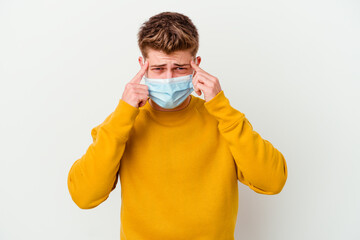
{"x": 291, "y": 66}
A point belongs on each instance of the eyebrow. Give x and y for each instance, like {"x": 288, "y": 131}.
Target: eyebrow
{"x": 161, "y": 65}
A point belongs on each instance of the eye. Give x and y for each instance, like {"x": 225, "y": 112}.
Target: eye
{"x": 180, "y": 68}
{"x": 157, "y": 69}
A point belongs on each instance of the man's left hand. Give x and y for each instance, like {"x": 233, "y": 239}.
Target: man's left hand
{"x": 205, "y": 82}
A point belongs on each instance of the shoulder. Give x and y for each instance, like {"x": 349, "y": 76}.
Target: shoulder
{"x": 200, "y": 105}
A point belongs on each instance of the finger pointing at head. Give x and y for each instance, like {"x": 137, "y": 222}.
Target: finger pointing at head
{"x": 195, "y": 67}
{"x": 140, "y": 74}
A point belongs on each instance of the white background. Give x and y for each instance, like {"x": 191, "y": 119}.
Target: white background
{"x": 293, "y": 68}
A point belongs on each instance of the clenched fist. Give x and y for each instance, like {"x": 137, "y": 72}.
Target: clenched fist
{"x": 136, "y": 94}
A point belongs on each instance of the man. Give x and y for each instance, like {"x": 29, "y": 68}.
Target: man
{"x": 178, "y": 156}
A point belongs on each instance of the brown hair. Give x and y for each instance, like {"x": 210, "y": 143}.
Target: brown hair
{"x": 168, "y": 32}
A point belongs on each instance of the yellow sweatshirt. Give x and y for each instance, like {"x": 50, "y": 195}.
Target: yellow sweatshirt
{"x": 178, "y": 170}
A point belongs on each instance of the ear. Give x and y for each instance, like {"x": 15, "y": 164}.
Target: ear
{"x": 141, "y": 61}
{"x": 197, "y": 60}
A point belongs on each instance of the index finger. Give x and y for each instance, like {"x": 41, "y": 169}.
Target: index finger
{"x": 140, "y": 74}
{"x": 196, "y": 67}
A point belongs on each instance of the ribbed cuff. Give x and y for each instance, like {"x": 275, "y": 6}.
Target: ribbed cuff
{"x": 122, "y": 118}
{"x": 219, "y": 106}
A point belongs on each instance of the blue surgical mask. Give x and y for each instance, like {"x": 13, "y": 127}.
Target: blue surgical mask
{"x": 170, "y": 92}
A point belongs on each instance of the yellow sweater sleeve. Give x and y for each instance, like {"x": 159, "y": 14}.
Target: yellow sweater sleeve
{"x": 259, "y": 164}
{"x": 92, "y": 177}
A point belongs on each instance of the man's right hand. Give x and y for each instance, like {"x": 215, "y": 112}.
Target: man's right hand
{"x": 137, "y": 94}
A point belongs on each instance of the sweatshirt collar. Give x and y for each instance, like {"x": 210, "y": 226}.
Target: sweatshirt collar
{"x": 171, "y": 118}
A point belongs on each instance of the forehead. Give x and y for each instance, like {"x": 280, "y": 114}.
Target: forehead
{"x": 159, "y": 57}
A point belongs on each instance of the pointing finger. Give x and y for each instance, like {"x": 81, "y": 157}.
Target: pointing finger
{"x": 140, "y": 74}
{"x": 195, "y": 67}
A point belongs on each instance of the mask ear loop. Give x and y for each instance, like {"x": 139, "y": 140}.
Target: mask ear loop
{"x": 192, "y": 76}
{"x": 146, "y": 70}
{"x": 194, "y": 70}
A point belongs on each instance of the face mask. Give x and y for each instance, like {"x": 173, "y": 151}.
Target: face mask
{"x": 170, "y": 92}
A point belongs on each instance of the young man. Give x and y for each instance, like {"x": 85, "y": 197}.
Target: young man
{"x": 178, "y": 156}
